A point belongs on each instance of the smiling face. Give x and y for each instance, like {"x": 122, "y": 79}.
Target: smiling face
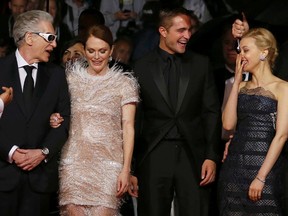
{"x": 250, "y": 54}
{"x": 97, "y": 52}
{"x": 175, "y": 38}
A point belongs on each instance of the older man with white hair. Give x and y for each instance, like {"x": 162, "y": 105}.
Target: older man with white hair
{"x": 29, "y": 148}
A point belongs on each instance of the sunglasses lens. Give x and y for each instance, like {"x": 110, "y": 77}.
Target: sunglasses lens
{"x": 51, "y": 38}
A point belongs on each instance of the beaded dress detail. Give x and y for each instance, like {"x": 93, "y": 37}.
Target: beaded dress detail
{"x": 92, "y": 158}
{"x": 254, "y": 133}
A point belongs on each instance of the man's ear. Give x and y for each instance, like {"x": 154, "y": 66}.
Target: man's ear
{"x": 28, "y": 38}
{"x": 162, "y": 30}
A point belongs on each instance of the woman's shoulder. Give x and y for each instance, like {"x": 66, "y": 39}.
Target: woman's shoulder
{"x": 129, "y": 79}
{"x": 279, "y": 88}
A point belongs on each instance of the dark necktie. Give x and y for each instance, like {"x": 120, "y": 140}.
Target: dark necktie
{"x": 28, "y": 87}
{"x": 172, "y": 84}
{"x": 172, "y": 81}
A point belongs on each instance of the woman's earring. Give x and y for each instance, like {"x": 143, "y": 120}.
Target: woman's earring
{"x": 262, "y": 58}
{"x": 110, "y": 58}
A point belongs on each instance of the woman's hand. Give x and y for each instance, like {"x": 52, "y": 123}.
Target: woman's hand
{"x": 55, "y": 120}
{"x": 123, "y": 182}
{"x": 255, "y": 189}
{"x": 239, "y": 69}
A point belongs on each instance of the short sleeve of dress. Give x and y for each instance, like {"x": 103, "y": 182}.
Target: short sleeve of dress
{"x": 130, "y": 91}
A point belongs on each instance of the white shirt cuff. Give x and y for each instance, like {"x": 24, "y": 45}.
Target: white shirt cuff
{"x": 11, "y": 152}
{"x": 1, "y": 107}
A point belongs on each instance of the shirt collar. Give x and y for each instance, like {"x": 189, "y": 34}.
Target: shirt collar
{"x": 21, "y": 61}
{"x": 164, "y": 55}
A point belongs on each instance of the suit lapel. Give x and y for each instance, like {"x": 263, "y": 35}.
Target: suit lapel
{"x": 158, "y": 78}
{"x": 17, "y": 89}
{"x": 41, "y": 85}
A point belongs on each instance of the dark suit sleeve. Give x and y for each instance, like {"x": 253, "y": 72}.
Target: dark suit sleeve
{"x": 56, "y": 137}
{"x": 138, "y": 131}
{"x": 212, "y": 117}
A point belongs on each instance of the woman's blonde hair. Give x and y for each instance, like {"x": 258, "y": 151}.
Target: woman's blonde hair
{"x": 264, "y": 39}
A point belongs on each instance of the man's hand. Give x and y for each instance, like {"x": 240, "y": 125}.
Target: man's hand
{"x": 208, "y": 172}
{"x": 240, "y": 27}
{"x": 28, "y": 159}
{"x": 7, "y": 95}
{"x": 18, "y": 157}
{"x": 133, "y": 188}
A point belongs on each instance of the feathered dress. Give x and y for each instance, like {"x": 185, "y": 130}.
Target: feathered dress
{"x": 92, "y": 158}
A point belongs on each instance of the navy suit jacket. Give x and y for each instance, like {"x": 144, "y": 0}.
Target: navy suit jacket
{"x": 32, "y": 130}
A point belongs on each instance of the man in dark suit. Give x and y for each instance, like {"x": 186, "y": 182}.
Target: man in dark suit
{"x": 29, "y": 148}
{"x": 179, "y": 123}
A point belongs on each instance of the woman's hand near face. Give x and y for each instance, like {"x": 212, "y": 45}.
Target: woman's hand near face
{"x": 238, "y": 70}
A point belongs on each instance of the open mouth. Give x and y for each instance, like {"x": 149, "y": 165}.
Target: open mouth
{"x": 49, "y": 51}
{"x": 182, "y": 44}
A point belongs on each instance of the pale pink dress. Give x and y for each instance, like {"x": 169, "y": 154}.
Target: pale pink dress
{"x": 92, "y": 158}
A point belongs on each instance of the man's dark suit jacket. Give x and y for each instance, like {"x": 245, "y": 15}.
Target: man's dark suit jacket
{"x": 197, "y": 113}
{"x": 32, "y": 130}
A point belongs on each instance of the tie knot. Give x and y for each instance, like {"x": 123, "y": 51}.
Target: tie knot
{"x": 28, "y": 69}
